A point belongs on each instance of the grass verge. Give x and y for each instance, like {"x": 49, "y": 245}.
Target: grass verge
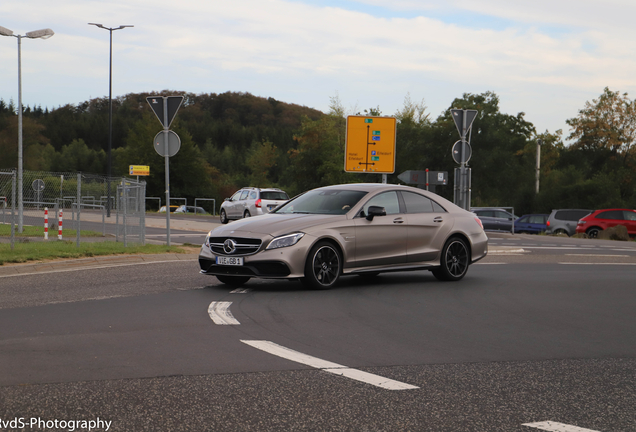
{"x": 38, "y": 231}
{"x": 55, "y": 249}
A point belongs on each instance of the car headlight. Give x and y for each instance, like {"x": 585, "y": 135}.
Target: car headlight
{"x": 206, "y": 243}
{"x": 284, "y": 241}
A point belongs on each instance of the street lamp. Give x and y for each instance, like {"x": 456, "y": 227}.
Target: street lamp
{"x": 538, "y": 166}
{"x": 110, "y": 106}
{"x": 37, "y": 34}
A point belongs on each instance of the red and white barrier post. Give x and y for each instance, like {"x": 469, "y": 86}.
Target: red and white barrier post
{"x": 46, "y": 223}
{"x": 59, "y": 226}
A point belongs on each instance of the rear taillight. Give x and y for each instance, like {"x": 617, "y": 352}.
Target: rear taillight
{"x": 479, "y": 222}
{"x": 547, "y": 223}
{"x": 258, "y": 203}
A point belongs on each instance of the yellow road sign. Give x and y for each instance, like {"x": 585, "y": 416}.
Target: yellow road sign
{"x": 370, "y": 144}
{"x": 139, "y": 170}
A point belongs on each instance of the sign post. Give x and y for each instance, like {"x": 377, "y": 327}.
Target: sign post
{"x": 425, "y": 179}
{"x": 461, "y": 153}
{"x": 165, "y": 108}
{"x": 370, "y": 145}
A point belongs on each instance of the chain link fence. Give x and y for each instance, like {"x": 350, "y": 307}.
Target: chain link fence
{"x": 114, "y": 207}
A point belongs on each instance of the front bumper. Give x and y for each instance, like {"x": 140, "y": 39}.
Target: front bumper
{"x": 281, "y": 263}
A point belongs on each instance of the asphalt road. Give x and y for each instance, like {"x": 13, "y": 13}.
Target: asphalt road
{"x": 541, "y": 330}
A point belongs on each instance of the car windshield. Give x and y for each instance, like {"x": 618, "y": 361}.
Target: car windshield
{"x": 335, "y": 202}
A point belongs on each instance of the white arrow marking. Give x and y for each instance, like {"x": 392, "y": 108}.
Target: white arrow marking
{"x": 327, "y": 366}
{"x": 557, "y": 427}
{"x": 220, "y": 313}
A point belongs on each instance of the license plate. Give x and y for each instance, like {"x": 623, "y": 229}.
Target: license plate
{"x": 229, "y": 261}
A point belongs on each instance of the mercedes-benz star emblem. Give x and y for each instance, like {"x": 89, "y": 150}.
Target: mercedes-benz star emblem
{"x": 229, "y": 246}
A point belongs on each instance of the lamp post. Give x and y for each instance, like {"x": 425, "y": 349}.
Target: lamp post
{"x": 36, "y": 34}
{"x": 110, "y": 107}
{"x": 538, "y": 167}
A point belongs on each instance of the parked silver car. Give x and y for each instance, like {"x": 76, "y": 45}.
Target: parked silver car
{"x": 564, "y": 221}
{"x": 351, "y": 229}
{"x": 251, "y": 201}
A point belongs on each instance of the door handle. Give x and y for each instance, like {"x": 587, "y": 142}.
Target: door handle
{"x": 398, "y": 221}
{"x": 438, "y": 219}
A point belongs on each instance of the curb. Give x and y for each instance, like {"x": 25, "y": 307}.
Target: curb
{"x": 94, "y": 262}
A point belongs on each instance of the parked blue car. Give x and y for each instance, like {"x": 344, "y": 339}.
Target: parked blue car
{"x": 531, "y": 224}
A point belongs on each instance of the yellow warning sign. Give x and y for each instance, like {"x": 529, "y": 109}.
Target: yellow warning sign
{"x": 139, "y": 170}
{"x": 370, "y": 144}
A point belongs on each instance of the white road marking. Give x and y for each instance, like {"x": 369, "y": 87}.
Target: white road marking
{"x": 557, "y": 427}
{"x": 220, "y": 313}
{"x": 597, "y": 255}
{"x": 507, "y": 252}
{"x": 587, "y": 264}
{"x": 240, "y": 291}
{"x": 91, "y": 267}
{"x": 327, "y": 366}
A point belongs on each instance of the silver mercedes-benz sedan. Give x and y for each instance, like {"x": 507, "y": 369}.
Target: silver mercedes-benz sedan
{"x": 349, "y": 229}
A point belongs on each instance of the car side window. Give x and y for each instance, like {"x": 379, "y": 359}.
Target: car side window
{"x": 253, "y": 195}
{"x": 236, "y": 196}
{"x": 388, "y": 200}
{"x": 618, "y": 215}
{"x": 438, "y": 208}
{"x": 629, "y": 215}
{"x": 485, "y": 213}
{"x": 502, "y": 215}
{"x": 536, "y": 219}
{"x": 244, "y": 195}
{"x": 416, "y": 203}
{"x": 525, "y": 219}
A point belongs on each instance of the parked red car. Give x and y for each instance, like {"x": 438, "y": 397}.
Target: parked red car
{"x": 600, "y": 220}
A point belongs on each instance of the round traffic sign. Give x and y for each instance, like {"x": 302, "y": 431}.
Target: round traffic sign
{"x": 38, "y": 185}
{"x": 173, "y": 143}
{"x": 458, "y": 156}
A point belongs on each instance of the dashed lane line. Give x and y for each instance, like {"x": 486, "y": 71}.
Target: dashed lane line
{"x": 589, "y": 264}
{"x": 557, "y": 427}
{"x": 240, "y": 291}
{"x": 327, "y": 366}
{"x": 220, "y": 313}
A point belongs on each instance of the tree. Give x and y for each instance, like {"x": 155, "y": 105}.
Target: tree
{"x": 608, "y": 122}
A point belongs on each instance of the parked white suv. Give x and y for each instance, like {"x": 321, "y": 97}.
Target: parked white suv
{"x": 251, "y": 201}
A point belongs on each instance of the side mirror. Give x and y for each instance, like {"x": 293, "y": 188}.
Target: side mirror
{"x": 374, "y": 211}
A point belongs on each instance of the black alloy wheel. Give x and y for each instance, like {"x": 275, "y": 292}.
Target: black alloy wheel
{"x": 235, "y": 281}
{"x": 323, "y": 266}
{"x": 223, "y": 217}
{"x": 454, "y": 262}
{"x": 593, "y": 232}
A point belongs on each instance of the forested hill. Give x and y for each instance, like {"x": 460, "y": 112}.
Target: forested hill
{"x": 222, "y": 128}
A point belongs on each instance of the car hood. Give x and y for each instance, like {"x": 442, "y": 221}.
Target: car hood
{"x": 275, "y": 224}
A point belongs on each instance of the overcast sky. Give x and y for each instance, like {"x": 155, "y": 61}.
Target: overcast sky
{"x": 544, "y": 58}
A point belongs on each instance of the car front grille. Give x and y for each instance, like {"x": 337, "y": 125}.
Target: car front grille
{"x": 240, "y": 246}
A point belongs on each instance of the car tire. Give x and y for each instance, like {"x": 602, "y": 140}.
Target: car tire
{"x": 223, "y": 216}
{"x": 454, "y": 261}
{"x": 235, "y": 281}
{"x": 593, "y": 232}
{"x": 247, "y": 214}
{"x": 323, "y": 266}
